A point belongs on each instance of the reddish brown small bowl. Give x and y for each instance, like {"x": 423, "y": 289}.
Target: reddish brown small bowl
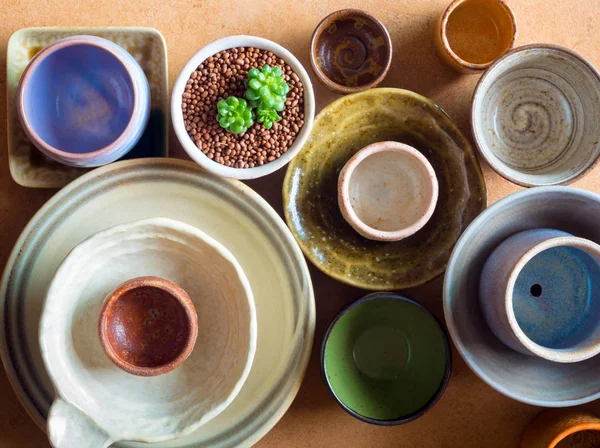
{"x": 351, "y": 51}
{"x": 148, "y": 326}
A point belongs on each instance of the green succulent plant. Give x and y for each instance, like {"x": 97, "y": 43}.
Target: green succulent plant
{"x": 234, "y": 114}
{"x": 266, "y": 116}
{"x": 266, "y": 87}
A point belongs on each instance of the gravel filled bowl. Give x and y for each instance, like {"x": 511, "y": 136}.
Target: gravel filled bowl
{"x": 220, "y": 70}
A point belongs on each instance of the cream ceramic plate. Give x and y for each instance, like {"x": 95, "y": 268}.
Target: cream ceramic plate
{"x": 229, "y": 212}
{"x": 130, "y": 407}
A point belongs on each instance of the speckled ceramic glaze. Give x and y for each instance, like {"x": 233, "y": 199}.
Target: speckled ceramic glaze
{"x": 538, "y": 293}
{"x": 574, "y": 428}
{"x": 28, "y": 166}
{"x": 386, "y": 359}
{"x": 310, "y": 189}
{"x": 535, "y": 115}
{"x": 471, "y": 34}
{"x": 104, "y": 402}
{"x": 540, "y": 382}
{"x": 83, "y": 101}
{"x": 229, "y": 212}
{"x": 387, "y": 191}
{"x": 148, "y": 326}
{"x": 351, "y": 51}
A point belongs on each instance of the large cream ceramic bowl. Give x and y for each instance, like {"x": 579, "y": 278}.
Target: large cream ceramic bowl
{"x": 101, "y": 403}
{"x": 227, "y": 211}
{"x": 177, "y": 114}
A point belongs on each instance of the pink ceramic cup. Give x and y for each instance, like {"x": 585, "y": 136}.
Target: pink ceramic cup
{"x": 387, "y": 191}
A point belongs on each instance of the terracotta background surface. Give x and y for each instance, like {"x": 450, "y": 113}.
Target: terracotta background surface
{"x": 470, "y": 414}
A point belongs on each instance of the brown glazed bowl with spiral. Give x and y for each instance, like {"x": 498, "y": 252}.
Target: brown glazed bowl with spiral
{"x": 351, "y": 51}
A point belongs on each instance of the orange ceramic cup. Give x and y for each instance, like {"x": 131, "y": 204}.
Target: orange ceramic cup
{"x": 552, "y": 427}
{"x": 471, "y": 34}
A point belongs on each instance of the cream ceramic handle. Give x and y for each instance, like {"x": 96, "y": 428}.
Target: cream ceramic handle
{"x": 68, "y": 427}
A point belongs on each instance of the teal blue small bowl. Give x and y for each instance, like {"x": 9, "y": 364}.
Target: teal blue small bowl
{"x": 386, "y": 359}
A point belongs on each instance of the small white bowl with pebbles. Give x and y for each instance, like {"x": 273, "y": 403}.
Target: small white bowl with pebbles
{"x": 218, "y": 71}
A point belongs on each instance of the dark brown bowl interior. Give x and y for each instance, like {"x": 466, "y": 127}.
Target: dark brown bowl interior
{"x": 351, "y": 51}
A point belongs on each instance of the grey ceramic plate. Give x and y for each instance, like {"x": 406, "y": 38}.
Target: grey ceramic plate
{"x": 226, "y": 210}
{"x": 310, "y": 189}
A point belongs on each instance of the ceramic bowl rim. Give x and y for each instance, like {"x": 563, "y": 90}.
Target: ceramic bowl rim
{"x": 463, "y": 349}
{"x": 173, "y": 290}
{"x": 478, "y": 92}
{"x": 328, "y": 82}
{"x": 120, "y": 55}
{"x": 574, "y": 429}
{"x": 344, "y": 194}
{"x": 448, "y": 48}
{"x": 211, "y": 49}
{"x": 434, "y": 397}
{"x": 82, "y": 248}
{"x": 556, "y": 355}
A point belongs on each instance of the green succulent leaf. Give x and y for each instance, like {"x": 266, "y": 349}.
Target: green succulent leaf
{"x": 266, "y": 87}
{"x": 267, "y": 116}
{"x": 234, "y": 114}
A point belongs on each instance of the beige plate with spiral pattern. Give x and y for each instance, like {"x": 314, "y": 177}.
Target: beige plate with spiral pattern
{"x": 535, "y": 115}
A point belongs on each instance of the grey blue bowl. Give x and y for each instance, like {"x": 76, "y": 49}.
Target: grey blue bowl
{"x": 386, "y": 359}
{"x": 83, "y": 101}
{"x": 529, "y": 379}
{"x": 539, "y": 292}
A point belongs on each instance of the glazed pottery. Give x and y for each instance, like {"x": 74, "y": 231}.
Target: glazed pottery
{"x": 227, "y": 211}
{"x": 310, "y": 189}
{"x": 540, "y": 382}
{"x": 83, "y": 101}
{"x": 471, "y": 34}
{"x": 177, "y": 115}
{"x": 350, "y": 51}
{"x": 387, "y": 191}
{"x": 537, "y": 294}
{"x": 148, "y": 326}
{"x": 535, "y": 116}
{"x": 106, "y": 400}
{"x": 562, "y": 429}
{"x": 28, "y": 166}
{"x": 386, "y": 359}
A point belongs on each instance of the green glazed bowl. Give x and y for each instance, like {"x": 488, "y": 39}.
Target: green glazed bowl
{"x": 386, "y": 359}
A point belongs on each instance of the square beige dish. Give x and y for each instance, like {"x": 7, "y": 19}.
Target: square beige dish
{"x": 28, "y": 166}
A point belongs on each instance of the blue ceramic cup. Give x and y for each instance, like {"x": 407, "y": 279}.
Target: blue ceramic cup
{"x": 84, "y": 101}
{"x": 540, "y": 295}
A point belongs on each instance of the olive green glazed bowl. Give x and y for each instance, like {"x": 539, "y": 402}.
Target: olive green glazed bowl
{"x": 386, "y": 359}
{"x": 310, "y": 199}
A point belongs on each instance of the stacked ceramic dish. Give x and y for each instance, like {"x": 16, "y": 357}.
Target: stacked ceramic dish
{"x": 126, "y": 367}
{"x": 520, "y": 296}
{"x": 137, "y": 295}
